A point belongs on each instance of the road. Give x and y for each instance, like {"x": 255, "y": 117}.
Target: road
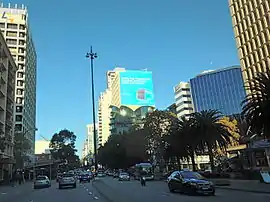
{"x": 83, "y": 193}
{"x": 111, "y": 190}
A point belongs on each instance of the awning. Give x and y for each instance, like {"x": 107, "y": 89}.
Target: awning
{"x": 7, "y": 161}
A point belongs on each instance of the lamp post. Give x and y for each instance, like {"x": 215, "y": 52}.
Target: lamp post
{"x": 92, "y": 56}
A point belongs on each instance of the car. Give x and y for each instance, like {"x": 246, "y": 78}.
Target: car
{"x": 67, "y": 179}
{"x": 115, "y": 174}
{"x": 190, "y": 182}
{"x": 59, "y": 176}
{"x": 101, "y": 174}
{"x": 42, "y": 182}
{"x": 124, "y": 177}
{"x": 84, "y": 177}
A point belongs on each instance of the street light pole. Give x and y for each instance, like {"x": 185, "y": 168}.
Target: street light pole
{"x": 92, "y": 56}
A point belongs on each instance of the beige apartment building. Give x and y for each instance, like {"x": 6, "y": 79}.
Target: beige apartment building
{"x": 7, "y": 88}
{"x": 15, "y": 28}
{"x": 251, "y": 25}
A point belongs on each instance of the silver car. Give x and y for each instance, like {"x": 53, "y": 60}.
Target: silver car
{"x": 124, "y": 177}
{"x": 42, "y": 182}
{"x": 67, "y": 179}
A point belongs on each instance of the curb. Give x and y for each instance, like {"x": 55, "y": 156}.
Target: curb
{"x": 243, "y": 190}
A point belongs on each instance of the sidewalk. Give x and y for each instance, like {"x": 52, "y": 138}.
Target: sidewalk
{"x": 9, "y": 193}
{"x": 254, "y": 186}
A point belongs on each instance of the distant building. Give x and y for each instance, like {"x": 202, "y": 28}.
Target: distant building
{"x": 132, "y": 97}
{"x": 172, "y": 108}
{"x": 221, "y": 89}
{"x": 88, "y": 145}
{"x": 42, "y": 146}
{"x": 183, "y": 99}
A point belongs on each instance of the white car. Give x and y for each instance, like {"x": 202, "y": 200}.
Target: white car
{"x": 67, "y": 180}
{"x": 42, "y": 182}
{"x": 124, "y": 177}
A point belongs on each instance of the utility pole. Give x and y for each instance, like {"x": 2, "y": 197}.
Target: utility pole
{"x": 92, "y": 56}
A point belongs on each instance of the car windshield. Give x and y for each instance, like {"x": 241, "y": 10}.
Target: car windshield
{"x": 191, "y": 175}
{"x": 68, "y": 175}
{"x": 41, "y": 178}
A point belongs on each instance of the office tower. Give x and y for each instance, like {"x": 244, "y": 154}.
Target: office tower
{"x": 251, "y": 25}
{"x": 15, "y": 28}
{"x": 90, "y": 139}
{"x": 183, "y": 99}
{"x": 7, "y": 89}
{"x": 132, "y": 97}
{"x": 221, "y": 90}
{"x": 104, "y": 115}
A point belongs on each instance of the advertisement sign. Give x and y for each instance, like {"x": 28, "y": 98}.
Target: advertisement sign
{"x": 136, "y": 88}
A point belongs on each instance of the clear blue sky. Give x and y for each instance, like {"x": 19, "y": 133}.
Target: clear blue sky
{"x": 176, "y": 39}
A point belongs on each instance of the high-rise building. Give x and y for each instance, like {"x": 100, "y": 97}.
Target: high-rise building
{"x": 221, "y": 90}
{"x": 183, "y": 99}
{"x": 14, "y": 26}
{"x": 133, "y": 89}
{"x": 104, "y": 115}
{"x": 7, "y": 89}
{"x": 89, "y": 141}
{"x": 251, "y": 25}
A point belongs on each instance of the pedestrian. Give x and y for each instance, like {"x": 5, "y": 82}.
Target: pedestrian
{"x": 143, "y": 182}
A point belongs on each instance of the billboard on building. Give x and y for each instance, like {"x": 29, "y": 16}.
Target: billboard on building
{"x": 136, "y": 88}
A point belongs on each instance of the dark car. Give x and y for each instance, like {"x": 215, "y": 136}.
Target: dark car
{"x": 190, "y": 182}
{"x": 84, "y": 178}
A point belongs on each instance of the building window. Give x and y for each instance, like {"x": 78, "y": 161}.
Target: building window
{"x": 12, "y": 34}
{"x": 22, "y": 27}
{"x": 21, "y": 58}
{"x": 2, "y": 25}
{"x": 21, "y": 50}
{"x": 21, "y": 42}
{"x": 21, "y": 34}
{"x": 19, "y": 91}
{"x": 20, "y": 75}
{"x": 18, "y": 127}
{"x": 11, "y": 41}
{"x": 19, "y": 100}
{"x": 12, "y": 26}
{"x": 21, "y": 66}
{"x": 19, "y": 83}
{"x": 18, "y": 118}
{"x": 19, "y": 109}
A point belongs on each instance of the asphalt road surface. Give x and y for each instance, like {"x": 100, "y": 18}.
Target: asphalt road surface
{"x": 83, "y": 193}
{"x": 108, "y": 189}
{"x": 157, "y": 191}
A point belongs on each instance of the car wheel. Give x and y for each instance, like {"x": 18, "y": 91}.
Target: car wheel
{"x": 74, "y": 186}
{"x": 213, "y": 193}
{"x": 170, "y": 188}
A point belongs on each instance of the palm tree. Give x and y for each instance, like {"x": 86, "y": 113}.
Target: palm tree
{"x": 211, "y": 133}
{"x": 256, "y": 105}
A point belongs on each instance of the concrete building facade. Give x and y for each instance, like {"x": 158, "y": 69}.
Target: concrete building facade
{"x": 14, "y": 26}
{"x": 251, "y": 25}
{"x": 183, "y": 99}
{"x": 8, "y": 70}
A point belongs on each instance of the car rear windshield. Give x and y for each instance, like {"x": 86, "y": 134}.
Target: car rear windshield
{"x": 41, "y": 178}
{"x": 191, "y": 175}
{"x": 68, "y": 175}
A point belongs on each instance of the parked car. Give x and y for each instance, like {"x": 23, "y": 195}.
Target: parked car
{"x": 67, "y": 179}
{"x": 101, "y": 174}
{"x": 42, "y": 182}
{"x": 115, "y": 174}
{"x": 190, "y": 182}
{"x": 124, "y": 177}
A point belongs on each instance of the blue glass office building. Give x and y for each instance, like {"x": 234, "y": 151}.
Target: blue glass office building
{"x": 221, "y": 89}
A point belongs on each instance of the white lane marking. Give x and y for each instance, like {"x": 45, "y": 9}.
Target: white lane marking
{"x": 3, "y": 193}
{"x": 87, "y": 189}
{"x": 96, "y": 197}
{"x": 90, "y": 193}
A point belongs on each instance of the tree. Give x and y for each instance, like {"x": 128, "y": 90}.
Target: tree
{"x": 157, "y": 125}
{"x": 256, "y": 105}
{"x": 21, "y": 146}
{"x": 63, "y": 146}
{"x": 212, "y": 134}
